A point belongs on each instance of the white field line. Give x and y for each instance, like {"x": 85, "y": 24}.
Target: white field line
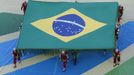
{"x": 10, "y": 36}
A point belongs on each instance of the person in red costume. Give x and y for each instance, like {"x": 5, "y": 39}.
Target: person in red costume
{"x": 120, "y": 13}
{"x": 24, "y": 6}
{"x": 116, "y": 57}
{"x": 64, "y": 59}
{"x": 14, "y": 57}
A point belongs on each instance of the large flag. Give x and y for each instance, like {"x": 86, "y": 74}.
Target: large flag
{"x": 68, "y": 25}
{"x": 54, "y": 25}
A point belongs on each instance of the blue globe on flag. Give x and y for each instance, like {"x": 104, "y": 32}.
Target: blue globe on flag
{"x": 68, "y": 25}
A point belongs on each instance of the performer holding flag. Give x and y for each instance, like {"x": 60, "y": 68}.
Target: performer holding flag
{"x": 120, "y": 13}
{"x": 14, "y": 57}
{"x": 64, "y": 59}
{"x": 24, "y": 6}
{"x": 116, "y": 57}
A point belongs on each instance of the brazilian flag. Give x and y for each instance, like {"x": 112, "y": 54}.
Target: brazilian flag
{"x": 55, "y": 25}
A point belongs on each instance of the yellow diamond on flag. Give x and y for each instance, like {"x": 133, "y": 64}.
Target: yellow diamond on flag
{"x": 68, "y": 25}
